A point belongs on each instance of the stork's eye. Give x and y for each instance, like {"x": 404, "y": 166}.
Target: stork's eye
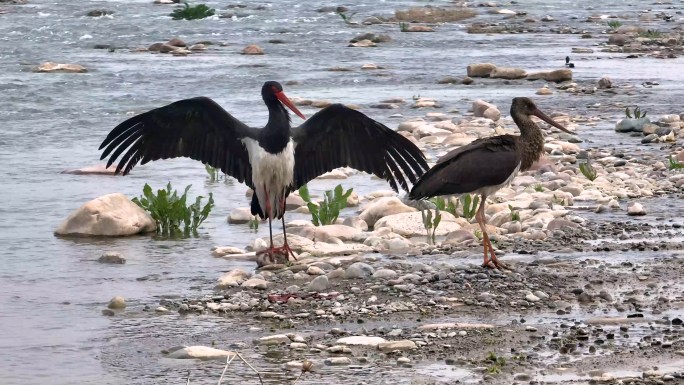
{"x": 275, "y": 89}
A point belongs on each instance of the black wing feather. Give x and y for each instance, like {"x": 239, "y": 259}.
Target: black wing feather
{"x": 484, "y": 162}
{"x": 197, "y": 128}
{"x": 338, "y": 136}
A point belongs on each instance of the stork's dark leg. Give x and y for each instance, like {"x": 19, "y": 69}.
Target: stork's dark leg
{"x": 492, "y": 262}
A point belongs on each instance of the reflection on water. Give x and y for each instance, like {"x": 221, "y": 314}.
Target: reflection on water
{"x": 53, "y": 288}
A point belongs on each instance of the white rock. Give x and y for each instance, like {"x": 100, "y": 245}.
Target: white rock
{"x": 315, "y": 270}
{"x": 410, "y": 224}
{"x": 108, "y": 215}
{"x": 635, "y": 209}
{"x": 342, "y": 232}
{"x": 117, "y": 302}
{"x": 226, "y": 250}
{"x": 361, "y": 341}
{"x": 255, "y": 283}
{"x": 391, "y": 346}
{"x": 359, "y": 270}
{"x": 319, "y": 283}
{"x": 201, "y": 353}
{"x": 385, "y": 274}
{"x": 337, "y": 361}
{"x": 240, "y": 215}
{"x": 356, "y": 222}
{"x": 275, "y": 339}
{"x": 232, "y": 278}
{"x": 383, "y": 207}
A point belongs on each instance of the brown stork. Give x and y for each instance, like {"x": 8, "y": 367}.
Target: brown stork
{"x": 487, "y": 164}
{"x": 274, "y": 160}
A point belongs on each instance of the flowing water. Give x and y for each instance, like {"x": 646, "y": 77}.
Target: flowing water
{"x": 51, "y": 329}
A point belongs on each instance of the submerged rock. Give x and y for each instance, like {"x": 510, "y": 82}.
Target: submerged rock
{"x": 57, "y": 67}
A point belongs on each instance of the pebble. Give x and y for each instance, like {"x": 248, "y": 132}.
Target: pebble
{"x": 319, "y": 283}
{"x": 112, "y": 257}
{"x": 117, "y": 302}
{"x": 337, "y": 361}
{"x": 359, "y": 270}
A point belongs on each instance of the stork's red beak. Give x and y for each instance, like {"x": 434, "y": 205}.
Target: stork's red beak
{"x": 550, "y": 121}
{"x": 288, "y": 103}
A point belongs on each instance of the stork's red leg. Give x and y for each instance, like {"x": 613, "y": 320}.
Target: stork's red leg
{"x": 285, "y": 249}
{"x": 492, "y": 262}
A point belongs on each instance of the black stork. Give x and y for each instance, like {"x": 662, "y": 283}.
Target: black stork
{"x": 486, "y": 165}
{"x": 274, "y": 160}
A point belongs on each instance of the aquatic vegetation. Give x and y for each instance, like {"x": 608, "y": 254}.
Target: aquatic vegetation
{"x": 674, "y": 164}
{"x": 403, "y": 27}
{"x": 469, "y": 204}
{"x": 254, "y": 223}
{"x": 327, "y": 211}
{"x": 651, "y": 34}
{"x": 430, "y": 223}
{"x": 538, "y": 187}
{"x": 213, "y": 172}
{"x": 636, "y": 112}
{"x": 588, "y": 170}
{"x": 445, "y": 204}
{"x": 346, "y": 18}
{"x": 496, "y": 364}
{"x": 614, "y": 24}
{"x": 170, "y": 212}
{"x": 199, "y": 11}
{"x": 515, "y": 214}
{"x": 430, "y": 14}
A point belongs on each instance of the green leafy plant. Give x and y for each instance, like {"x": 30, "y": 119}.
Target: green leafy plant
{"x": 674, "y": 164}
{"x": 254, "y": 223}
{"x": 469, "y": 204}
{"x": 170, "y": 212}
{"x": 430, "y": 223}
{"x": 478, "y": 234}
{"x": 651, "y": 34}
{"x": 404, "y": 27}
{"x": 588, "y": 170}
{"x": 327, "y": 211}
{"x": 445, "y": 204}
{"x": 538, "y": 187}
{"x": 515, "y": 215}
{"x": 213, "y": 172}
{"x": 636, "y": 112}
{"x": 614, "y": 24}
{"x": 347, "y": 18}
{"x": 199, "y": 11}
{"x": 496, "y": 364}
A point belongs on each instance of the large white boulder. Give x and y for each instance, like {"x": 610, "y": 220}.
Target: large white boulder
{"x": 109, "y": 215}
{"x": 411, "y": 224}
{"x": 200, "y": 353}
{"x": 383, "y": 207}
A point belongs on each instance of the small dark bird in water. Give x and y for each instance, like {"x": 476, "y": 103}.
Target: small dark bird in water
{"x": 486, "y": 165}
{"x": 567, "y": 62}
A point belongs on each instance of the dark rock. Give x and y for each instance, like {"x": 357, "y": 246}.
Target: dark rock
{"x": 112, "y": 257}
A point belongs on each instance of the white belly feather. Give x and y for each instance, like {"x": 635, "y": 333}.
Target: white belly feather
{"x": 271, "y": 173}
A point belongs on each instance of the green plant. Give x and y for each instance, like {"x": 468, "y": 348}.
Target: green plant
{"x": 478, "y": 234}
{"x": 496, "y": 363}
{"x": 637, "y": 113}
{"x": 254, "y": 223}
{"x": 431, "y": 223}
{"x": 515, "y": 215}
{"x": 404, "y": 27}
{"x": 614, "y": 24}
{"x": 674, "y": 164}
{"x": 445, "y": 204}
{"x": 538, "y": 187}
{"x": 170, "y": 212}
{"x": 327, "y": 211}
{"x": 588, "y": 170}
{"x": 347, "y": 18}
{"x": 469, "y": 204}
{"x": 212, "y": 171}
{"x": 199, "y": 11}
{"x": 651, "y": 34}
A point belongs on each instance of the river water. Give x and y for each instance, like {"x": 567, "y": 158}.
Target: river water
{"x": 51, "y": 329}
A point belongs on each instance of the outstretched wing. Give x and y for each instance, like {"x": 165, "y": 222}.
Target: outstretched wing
{"x": 196, "y": 128}
{"x": 338, "y": 136}
{"x": 484, "y": 162}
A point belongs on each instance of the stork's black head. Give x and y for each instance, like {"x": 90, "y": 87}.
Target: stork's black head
{"x": 272, "y": 92}
{"x": 525, "y": 107}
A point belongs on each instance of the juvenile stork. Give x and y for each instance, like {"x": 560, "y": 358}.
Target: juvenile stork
{"x": 486, "y": 165}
